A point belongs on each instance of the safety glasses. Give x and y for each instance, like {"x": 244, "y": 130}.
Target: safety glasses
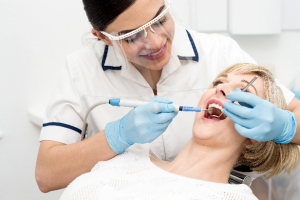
{"x": 142, "y": 28}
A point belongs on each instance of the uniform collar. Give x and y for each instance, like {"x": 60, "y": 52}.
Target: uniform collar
{"x": 183, "y": 48}
{"x": 183, "y": 45}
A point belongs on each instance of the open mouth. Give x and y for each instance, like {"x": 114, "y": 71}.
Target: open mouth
{"x": 215, "y": 110}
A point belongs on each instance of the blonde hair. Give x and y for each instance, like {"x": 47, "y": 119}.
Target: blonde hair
{"x": 267, "y": 157}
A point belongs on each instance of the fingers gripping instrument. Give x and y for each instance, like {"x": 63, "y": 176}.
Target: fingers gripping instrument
{"x": 244, "y": 90}
{"x": 210, "y": 111}
{"x": 261, "y": 120}
{"x": 130, "y": 103}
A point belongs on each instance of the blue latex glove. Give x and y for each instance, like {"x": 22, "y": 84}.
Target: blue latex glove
{"x": 262, "y": 120}
{"x": 141, "y": 125}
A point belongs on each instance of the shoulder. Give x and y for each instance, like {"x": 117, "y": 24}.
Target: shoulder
{"x": 91, "y": 52}
{"x": 86, "y": 62}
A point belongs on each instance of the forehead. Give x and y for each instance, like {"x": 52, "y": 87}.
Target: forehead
{"x": 140, "y": 13}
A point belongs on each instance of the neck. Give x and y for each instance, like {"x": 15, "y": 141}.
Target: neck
{"x": 204, "y": 162}
{"x": 151, "y": 76}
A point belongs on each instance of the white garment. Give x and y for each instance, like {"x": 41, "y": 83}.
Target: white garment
{"x": 131, "y": 175}
{"x": 99, "y": 73}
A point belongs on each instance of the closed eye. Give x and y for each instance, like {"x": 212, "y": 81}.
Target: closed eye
{"x": 165, "y": 19}
{"x": 131, "y": 40}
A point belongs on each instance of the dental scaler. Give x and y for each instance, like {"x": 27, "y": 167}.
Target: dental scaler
{"x": 131, "y": 103}
{"x": 245, "y": 89}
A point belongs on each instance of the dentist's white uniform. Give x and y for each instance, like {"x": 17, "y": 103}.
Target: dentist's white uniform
{"x": 98, "y": 72}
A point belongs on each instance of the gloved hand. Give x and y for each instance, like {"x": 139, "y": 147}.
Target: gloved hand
{"x": 141, "y": 125}
{"x": 263, "y": 122}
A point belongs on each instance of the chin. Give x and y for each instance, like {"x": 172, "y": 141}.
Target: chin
{"x": 159, "y": 65}
{"x": 204, "y": 131}
{"x": 207, "y": 129}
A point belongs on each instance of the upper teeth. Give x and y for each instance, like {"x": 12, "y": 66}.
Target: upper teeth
{"x": 154, "y": 54}
{"x": 215, "y": 106}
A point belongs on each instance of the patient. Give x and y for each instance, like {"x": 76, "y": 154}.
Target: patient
{"x": 202, "y": 168}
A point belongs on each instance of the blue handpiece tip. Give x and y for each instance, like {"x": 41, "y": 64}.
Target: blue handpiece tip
{"x": 191, "y": 109}
{"x": 114, "y": 102}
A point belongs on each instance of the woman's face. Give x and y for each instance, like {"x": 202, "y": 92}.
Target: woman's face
{"x": 221, "y": 131}
{"x": 153, "y": 51}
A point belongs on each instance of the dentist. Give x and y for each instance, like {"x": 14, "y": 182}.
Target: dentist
{"x": 140, "y": 53}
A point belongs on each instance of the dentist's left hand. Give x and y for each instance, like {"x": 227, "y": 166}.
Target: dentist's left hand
{"x": 141, "y": 125}
{"x": 263, "y": 122}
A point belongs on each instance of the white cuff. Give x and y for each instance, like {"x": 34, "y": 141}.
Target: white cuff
{"x": 60, "y": 134}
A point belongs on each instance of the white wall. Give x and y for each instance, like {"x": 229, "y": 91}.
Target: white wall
{"x": 35, "y": 38}
{"x": 280, "y": 52}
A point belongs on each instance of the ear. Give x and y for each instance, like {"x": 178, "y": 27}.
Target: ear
{"x": 253, "y": 141}
{"x": 101, "y": 37}
{"x": 250, "y": 141}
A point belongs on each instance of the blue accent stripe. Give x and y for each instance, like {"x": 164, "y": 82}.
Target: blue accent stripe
{"x": 191, "y": 109}
{"x": 104, "y": 59}
{"x": 196, "y": 58}
{"x": 63, "y": 125}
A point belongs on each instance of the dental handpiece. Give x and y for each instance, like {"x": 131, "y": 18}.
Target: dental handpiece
{"x": 131, "y": 103}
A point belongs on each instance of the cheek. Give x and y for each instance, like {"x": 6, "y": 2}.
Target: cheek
{"x": 232, "y": 136}
{"x": 170, "y": 29}
{"x": 131, "y": 52}
{"x": 205, "y": 97}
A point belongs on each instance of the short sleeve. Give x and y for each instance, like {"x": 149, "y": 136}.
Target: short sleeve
{"x": 233, "y": 54}
{"x": 289, "y": 95}
{"x": 65, "y": 111}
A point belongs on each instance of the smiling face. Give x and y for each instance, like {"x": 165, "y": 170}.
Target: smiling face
{"x": 213, "y": 131}
{"x": 154, "y": 50}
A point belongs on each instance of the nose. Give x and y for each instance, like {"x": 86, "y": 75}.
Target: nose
{"x": 225, "y": 88}
{"x": 153, "y": 41}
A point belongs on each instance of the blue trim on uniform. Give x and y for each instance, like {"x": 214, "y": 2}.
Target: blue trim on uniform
{"x": 63, "y": 125}
{"x": 196, "y": 58}
{"x": 104, "y": 59}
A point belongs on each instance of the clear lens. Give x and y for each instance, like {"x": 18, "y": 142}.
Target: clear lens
{"x": 141, "y": 36}
{"x": 133, "y": 38}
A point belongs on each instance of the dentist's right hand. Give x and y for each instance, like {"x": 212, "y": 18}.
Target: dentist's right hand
{"x": 142, "y": 124}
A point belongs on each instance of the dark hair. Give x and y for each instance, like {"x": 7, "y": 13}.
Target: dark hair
{"x": 101, "y": 13}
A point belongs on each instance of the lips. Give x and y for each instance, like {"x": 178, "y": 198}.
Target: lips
{"x": 156, "y": 55}
{"x": 220, "y": 103}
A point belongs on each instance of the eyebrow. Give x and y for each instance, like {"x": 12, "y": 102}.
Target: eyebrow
{"x": 251, "y": 85}
{"x": 158, "y": 12}
{"x": 244, "y": 81}
{"x": 224, "y": 75}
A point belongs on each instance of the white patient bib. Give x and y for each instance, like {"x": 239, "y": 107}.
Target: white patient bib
{"x": 131, "y": 175}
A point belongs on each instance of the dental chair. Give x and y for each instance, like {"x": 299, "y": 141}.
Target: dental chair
{"x": 237, "y": 176}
